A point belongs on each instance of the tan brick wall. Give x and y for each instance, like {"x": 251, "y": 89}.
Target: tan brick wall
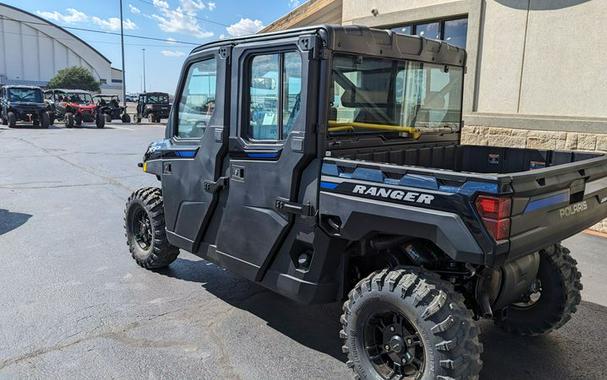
{"x": 522, "y": 138}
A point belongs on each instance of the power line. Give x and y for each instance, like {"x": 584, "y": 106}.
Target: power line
{"x": 103, "y": 32}
{"x": 168, "y": 43}
{"x": 197, "y": 18}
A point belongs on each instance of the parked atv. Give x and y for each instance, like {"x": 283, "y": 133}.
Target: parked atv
{"x": 110, "y": 106}
{"x": 330, "y": 169}
{"x": 75, "y": 107}
{"x": 23, "y": 103}
{"x": 154, "y": 106}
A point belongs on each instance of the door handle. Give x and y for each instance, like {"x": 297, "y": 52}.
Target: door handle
{"x": 215, "y": 186}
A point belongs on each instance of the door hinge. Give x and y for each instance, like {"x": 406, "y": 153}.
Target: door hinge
{"x": 215, "y": 186}
{"x": 284, "y": 205}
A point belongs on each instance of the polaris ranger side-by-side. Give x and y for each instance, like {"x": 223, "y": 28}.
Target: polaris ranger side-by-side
{"x": 154, "y": 106}
{"x": 329, "y": 169}
{"x": 23, "y": 103}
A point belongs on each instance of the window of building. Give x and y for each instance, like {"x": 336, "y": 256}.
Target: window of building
{"x": 274, "y": 95}
{"x": 197, "y": 102}
{"x": 453, "y": 31}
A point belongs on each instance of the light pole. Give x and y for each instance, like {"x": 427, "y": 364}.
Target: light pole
{"x": 123, "y": 68}
{"x": 144, "y": 86}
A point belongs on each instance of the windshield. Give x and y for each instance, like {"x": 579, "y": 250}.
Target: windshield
{"x": 78, "y": 98}
{"x": 31, "y": 95}
{"x": 157, "y": 99}
{"x": 378, "y": 96}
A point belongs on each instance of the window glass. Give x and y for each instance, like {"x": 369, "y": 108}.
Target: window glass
{"x": 430, "y": 30}
{"x": 456, "y": 31}
{"x": 263, "y": 92}
{"x": 197, "y": 102}
{"x": 374, "y": 96}
{"x": 408, "y": 29}
{"x": 275, "y": 81}
{"x": 16, "y": 94}
{"x": 291, "y": 91}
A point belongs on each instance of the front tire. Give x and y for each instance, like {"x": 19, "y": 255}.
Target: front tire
{"x": 554, "y": 303}
{"x": 45, "y": 120}
{"x": 145, "y": 229}
{"x": 12, "y": 120}
{"x": 409, "y": 323}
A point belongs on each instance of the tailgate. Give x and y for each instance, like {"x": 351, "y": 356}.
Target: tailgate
{"x": 552, "y": 205}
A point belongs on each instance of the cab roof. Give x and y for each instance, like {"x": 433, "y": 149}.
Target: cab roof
{"x": 71, "y": 91}
{"x": 362, "y": 40}
{"x": 21, "y": 86}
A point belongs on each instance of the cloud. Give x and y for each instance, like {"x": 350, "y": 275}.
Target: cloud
{"x": 182, "y": 19}
{"x": 244, "y": 27}
{"x": 161, "y": 4}
{"x": 171, "y": 41}
{"x": 113, "y": 23}
{"x": 134, "y": 9}
{"x": 211, "y": 6}
{"x": 74, "y": 16}
{"x": 294, "y": 3}
{"x": 71, "y": 16}
{"x": 172, "y": 53}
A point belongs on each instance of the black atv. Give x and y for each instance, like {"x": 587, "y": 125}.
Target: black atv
{"x": 23, "y": 103}
{"x": 329, "y": 168}
{"x": 109, "y": 106}
{"x": 154, "y": 106}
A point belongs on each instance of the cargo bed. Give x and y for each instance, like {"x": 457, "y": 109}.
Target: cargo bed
{"x": 555, "y": 194}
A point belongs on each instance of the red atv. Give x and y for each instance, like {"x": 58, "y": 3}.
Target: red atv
{"x": 76, "y": 107}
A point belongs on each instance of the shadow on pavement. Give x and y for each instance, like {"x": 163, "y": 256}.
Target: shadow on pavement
{"x": 573, "y": 352}
{"x": 11, "y": 220}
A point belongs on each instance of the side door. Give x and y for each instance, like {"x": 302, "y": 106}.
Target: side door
{"x": 195, "y": 149}
{"x": 268, "y": 151}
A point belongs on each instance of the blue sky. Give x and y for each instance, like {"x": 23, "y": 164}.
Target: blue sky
{"x": 196, "y": 21}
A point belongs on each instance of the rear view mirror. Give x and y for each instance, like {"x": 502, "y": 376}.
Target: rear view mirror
{"x": 263, "y": 83}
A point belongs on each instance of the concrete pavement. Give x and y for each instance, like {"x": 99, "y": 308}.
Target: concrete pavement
{"x": 74, "y": 305}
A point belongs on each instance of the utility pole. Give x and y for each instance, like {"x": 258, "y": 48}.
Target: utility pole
{"x": 144, "y": 86}
{"x": 123, "y": 68}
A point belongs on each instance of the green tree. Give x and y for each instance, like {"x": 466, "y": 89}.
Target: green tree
{"x": 75, "y": 77}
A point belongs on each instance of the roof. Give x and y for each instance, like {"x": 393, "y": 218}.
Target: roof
{"x": 356, "y": 39}
{"x": 71, "y": 91}
{"x": 56, "y": 26}
{"x": 154, "y": 93}
{"x": 19, "y": 86}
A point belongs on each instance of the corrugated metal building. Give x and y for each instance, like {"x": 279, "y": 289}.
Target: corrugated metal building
{"x": 32, "y": 50}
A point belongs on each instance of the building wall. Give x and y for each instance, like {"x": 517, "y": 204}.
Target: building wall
{"x": 33, "y": 50}
{"x": 312, "y": 12}
{"x": 536, "y": 74}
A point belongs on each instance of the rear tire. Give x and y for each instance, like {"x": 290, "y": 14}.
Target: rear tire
{"x": 45, "y": 120}
{"x": 126, "y": 118}
{"x": 145, "y": 229}
{"x": 11, "y": 120}
{"x": 69, "y": 120}
{"x": 559, "y": 296}
{"x": 431, "y": 336}
{"x": 137, "y": 119}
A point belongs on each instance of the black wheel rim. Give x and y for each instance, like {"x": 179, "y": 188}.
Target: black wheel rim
{"x": 141, "y": 226}
{"x": 393, "y": 346}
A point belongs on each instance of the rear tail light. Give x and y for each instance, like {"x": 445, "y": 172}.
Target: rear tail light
{"x": 495, "y": 213}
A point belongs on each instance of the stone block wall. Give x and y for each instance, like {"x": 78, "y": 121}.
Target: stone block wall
{"x": 522, "y": 138}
